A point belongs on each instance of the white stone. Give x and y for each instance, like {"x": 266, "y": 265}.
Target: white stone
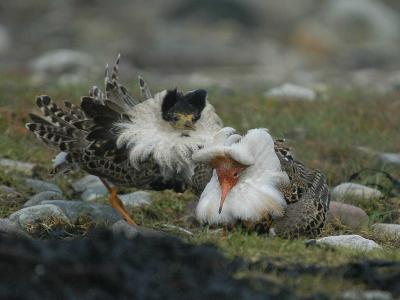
{"x": 42, "y": 196}
{"x": 350, "y": 189}
{"x": 19, "y": 166}
{"x": 83, "y": 183}
{"x": 387, "y": 230}
{"x": 390, "y": 158}
{"x": 135, "y": 199}
{"x": 351, "y": 241}
{"x": 290, "y": 91}
{"x": 93, "y": 191}
{"x": 32, "y": 214}
{"x": 366, "y": 295}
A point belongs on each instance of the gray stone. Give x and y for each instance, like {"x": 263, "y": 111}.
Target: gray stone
{"x": 83, "y": 183}
{"x": 7, "y": 189}
{"x": 290, "y": 91}
{"x": 348, "y": 215}
{"x": 135, "y": 199}
{"x": 351, "y": 241}
{"x": 391, "y": 231}
{"x": 75, "y": 210}
{"x": 366, "y": 295}
{"x": 354, "y": 190}
{"x": 390, "y": 158}
{"x": 5, "y": 40}
{"x": 9, "y": 228}
{"x": 94, "y": 190}
{"x": 122, "y": 227}
{"x": 32, "y": 214}
{"x": 60, "y": 61}
{"x": 41, "y": 186}
{"x": 18, "y": 166}
{"x": 42, "y": 196}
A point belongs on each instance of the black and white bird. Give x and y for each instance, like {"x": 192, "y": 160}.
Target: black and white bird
{"x": 257, "y": 183}
{"x": 146, "y": 143}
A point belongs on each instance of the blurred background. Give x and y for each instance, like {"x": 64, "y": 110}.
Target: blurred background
{"x": 226, "y": 43}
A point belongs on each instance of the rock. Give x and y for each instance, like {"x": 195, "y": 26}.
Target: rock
{"x": 131, "y": 231}
{"x": 41, "y": 186}
{"x": 33, "y": 214}
{"x": 83, "y": 183}
{"x": 4, "y": 39}
{"x": 61, "y": 61}
{"x": 348, "y": 215}
{"x": 351, "y": 241}
{"x": 7, "y": 189}
{"x": 391, "y": 231}
{"x": 93, "y": 192}
{"x": 366, "y": 295}
{"x": 42, "y": 196}
{"x": 75, "y": 210}
{"x": 354, "y": 190}
{"x": 9, "y": 228}
{"x": 136, "y": 199}
{"x": 290, "y": 91}
{"x": 390, "y": 158}
{"x": 14, "y": 165}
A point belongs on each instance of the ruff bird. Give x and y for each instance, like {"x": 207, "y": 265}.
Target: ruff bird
{"x": 144, "y": 143}
{"x": 257, "y": 183}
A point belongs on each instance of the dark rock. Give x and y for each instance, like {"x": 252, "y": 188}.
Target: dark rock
{"x": 41, "y": 186}
{"x": 9, "y": 228}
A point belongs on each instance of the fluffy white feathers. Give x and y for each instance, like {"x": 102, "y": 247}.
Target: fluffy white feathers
{"x": 149, "y": 135}
{"x": 256, "y": 194}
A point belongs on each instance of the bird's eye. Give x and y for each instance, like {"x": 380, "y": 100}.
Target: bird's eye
{"x": 236, "y": 175}
{"x": 175, "y": 118}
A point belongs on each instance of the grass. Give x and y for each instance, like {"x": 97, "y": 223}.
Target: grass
{"x": 323, "y": 134}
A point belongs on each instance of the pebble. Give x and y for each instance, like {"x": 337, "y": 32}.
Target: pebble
{"x": 74, "y": 210}
{"x": 390, "y": 158}
{"x": 46, "y": 195}
{"x": 351, "y": 241}
{"x": 83, "y": 183}
{"x": 354, "y": 190}
{"x": 30, "y": 215}
{"x": 366, "y": 295}
{"x": 348, "y": 215}
{"x": 131, "y": 231}
{"x": 41, "y": 186}
{"x": 9, "y": 228}
{"x": 391, "y": 231}
{"x": 18, "y": 166}
{"x": 94, "y": 191}
{"x": 136, "y": 199}
{"x": 290, "y": 91}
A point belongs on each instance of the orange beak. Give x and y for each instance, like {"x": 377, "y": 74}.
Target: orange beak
{"x": 226, "y": 186}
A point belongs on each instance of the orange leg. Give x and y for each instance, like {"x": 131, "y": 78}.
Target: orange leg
{"x": 117, "y": 204}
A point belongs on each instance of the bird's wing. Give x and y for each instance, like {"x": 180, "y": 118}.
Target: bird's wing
{"x": 201, "y": 177}
{"x": 307, "y": 196}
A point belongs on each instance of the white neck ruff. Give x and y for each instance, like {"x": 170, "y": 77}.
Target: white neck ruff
{"x": 256, "y": 194}
{"x": 148, "y": 135}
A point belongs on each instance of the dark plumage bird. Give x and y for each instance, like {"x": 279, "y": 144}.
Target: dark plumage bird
{"x": 145, "y": 143}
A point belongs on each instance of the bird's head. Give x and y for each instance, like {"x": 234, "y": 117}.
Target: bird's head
{"x": 182, "y": 111}
{"x": 228, "y": 171}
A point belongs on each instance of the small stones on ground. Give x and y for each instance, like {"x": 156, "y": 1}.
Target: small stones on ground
{"x": 42, "y": 196}
{"x": 391, "y": 231}
{"x": 366, "y": 295}
{"x": 389, "y": 158}
{"x": 348, "y": 215}
{"x": 10, "y": 196}
{"x": 9, "y": 228}
{"x": 354, "y": 190}
{"x": 41, "y": 186}
{"x": 83, "y": 183}
{"x": 131, "y": 231}
{"x": 290, "y": 91}
{"x": 19, "y": 166}
{"x": 30, "y": 215}
{"x": 75, "y": 210}
{"x": 93, "y": 191}
{"x": 136, "y": 199}
{"x": 351, "y": 241}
